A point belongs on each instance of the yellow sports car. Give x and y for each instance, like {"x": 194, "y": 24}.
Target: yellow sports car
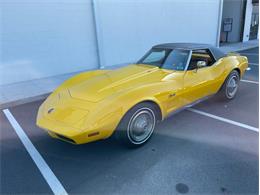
{"x": 128, "y": 102}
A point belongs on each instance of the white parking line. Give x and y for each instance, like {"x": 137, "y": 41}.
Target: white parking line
{"x": 224, "y": 119}
{"x": 250, "y": 54}
{"x": 254, "y": 64}
{"x": 248, "y": 81}
{"x": 45, "y": 170}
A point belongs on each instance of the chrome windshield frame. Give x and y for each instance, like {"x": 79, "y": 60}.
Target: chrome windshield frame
{"x": 188, "y": 61}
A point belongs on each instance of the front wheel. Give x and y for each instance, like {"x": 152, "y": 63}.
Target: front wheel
{"x": 230, "y": 87}
{"x": 137, "y": 125}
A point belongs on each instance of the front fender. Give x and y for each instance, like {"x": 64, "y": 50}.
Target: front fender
{"x": 109, "y": 112}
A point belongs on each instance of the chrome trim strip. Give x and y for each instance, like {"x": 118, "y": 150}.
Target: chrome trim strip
{"x": 188, "y": 61}
{"x": 188, "y": 106}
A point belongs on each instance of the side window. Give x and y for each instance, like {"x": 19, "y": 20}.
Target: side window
{"x": 200, "y": 59}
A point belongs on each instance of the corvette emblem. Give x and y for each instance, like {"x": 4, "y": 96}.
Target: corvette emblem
{"x": 50, "y": 110}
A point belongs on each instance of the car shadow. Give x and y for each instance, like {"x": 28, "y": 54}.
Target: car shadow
{"x": 163, "y": 165}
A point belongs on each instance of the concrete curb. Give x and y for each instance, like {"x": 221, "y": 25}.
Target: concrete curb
{"x": 241, "y": 49}
{"x": 249, "y": 47}
{"x": 24, "y": 101}
{"x": 45, "y": 95}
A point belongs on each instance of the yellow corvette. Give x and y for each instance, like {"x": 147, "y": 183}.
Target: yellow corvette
{"x": 128, "y": 101}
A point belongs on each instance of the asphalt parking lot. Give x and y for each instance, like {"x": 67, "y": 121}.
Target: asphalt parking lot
{"x": 211, "y": 149}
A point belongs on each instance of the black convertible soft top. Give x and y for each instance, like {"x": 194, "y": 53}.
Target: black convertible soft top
{"x": 217, "y": 53}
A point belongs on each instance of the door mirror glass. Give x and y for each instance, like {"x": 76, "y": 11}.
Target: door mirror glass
{"x": 201, "y": 64}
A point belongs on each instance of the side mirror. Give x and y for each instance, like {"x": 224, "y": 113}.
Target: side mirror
{"x": 201, "y": 64}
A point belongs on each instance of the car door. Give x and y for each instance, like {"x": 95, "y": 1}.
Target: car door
{"x": 175, "y": 64}
{"x": 202, "y": 76}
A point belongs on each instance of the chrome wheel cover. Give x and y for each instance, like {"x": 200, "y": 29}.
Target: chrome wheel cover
{"x": 141, "y": 125}
{"x": 232, "y": 86}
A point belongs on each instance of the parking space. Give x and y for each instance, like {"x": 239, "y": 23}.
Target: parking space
{"x": 252, "y": 55}
{"x": 252, "y": 75}
{"x": 189, "y": 153}
{"x": 18, "y": 171}
{"x": 240, "y": 109}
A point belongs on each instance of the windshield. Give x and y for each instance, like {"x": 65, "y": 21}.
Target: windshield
{"x": 166, "y": 58}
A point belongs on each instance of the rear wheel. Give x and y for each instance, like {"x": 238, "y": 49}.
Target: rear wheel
{"x": 230, "y": 87}
{"x": 137, "y": 125}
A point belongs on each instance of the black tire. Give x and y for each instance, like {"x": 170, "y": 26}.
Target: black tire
{"x": 230, "y": 87}
{"x": 129, "y": 128}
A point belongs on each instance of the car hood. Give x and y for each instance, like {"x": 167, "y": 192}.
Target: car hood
{"x": 98, "y": 87}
